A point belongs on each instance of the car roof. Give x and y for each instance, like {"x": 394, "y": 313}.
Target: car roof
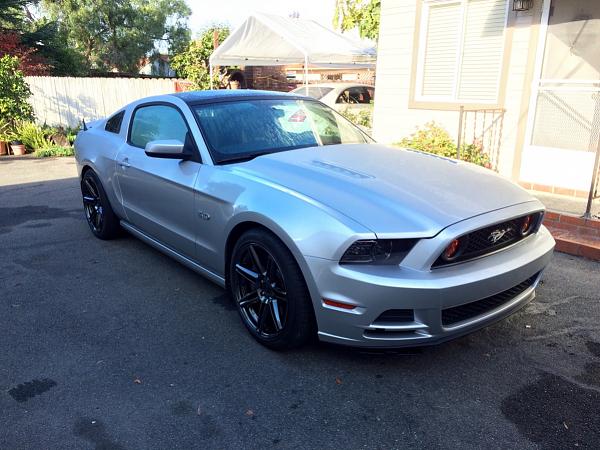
{"x": 222, "y": 95}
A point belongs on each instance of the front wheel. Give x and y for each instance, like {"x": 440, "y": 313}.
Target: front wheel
{"x": 269, "y": 290}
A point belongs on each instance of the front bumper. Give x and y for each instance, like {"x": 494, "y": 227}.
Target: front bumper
{"x": 376, "y": 289}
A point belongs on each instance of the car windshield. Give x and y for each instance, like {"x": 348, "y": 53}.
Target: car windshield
{"x": 317, "y": 92}
{"x": 241, "y": 130}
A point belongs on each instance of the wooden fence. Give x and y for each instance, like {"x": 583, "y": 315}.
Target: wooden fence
{"x": 65, "y": 100}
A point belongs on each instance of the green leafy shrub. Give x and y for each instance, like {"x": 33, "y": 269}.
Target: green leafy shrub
{"x": 31, "y": 135}
{"x": 434, "y": 139}
{"x": 14, "y": 91}
{"x": 54, "y": 151}
{"x": 6, "y": 132}
{"x": 362, "y": 118}
{"x": 71, "y": 133}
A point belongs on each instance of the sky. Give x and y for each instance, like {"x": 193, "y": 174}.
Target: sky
{"x": 234, "y": 12}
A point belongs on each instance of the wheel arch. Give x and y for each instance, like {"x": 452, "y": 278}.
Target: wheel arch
{"x": 255, "y": 221}
{"x": 84, "y": 169}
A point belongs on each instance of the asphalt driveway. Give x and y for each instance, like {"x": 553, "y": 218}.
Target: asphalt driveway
{"x": 111, "y": 345}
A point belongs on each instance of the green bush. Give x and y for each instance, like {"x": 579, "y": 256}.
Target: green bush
{"x": 32, "y": 136}
{"x": 434, "y": 139}
{"x": 14, "y": 91}
{"x": 54, "y": 151}
{"x": 362, "y": 118}
{"x": 71, "y": 133}
{"x": 6, "y": 132}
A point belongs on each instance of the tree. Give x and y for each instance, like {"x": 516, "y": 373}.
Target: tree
{"x": 192, "y": 63}
{"x": 38, "y": 43}
{"x": 118, "y": 34}
{"x": 50, "y": 44}
{"x": 13, "y": 13}
{"x": 361, "y": 14}
{"x": 30, "y": 62}
{"x": 14, "y": 91}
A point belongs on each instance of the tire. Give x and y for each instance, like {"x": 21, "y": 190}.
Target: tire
{"x": 271, "y": 296}
{"x": 101, "y": 219}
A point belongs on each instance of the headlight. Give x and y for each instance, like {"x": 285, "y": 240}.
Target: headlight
{"x": 380, "y": 251}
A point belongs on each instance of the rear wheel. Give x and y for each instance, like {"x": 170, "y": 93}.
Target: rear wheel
{"x": 269, "y": 291}
{"x": 100, "y": 217}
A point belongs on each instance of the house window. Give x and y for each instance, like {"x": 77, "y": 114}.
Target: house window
{"x": 461, "y": 50}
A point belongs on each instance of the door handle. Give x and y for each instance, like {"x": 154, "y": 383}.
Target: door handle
{"x": 124, "y": 163}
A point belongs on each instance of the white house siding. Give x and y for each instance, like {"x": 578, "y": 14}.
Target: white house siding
{"x": 65, "y": 100}
{"x": 393, "y": 119}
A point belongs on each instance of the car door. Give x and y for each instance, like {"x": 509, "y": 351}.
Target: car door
{"x": 158, "y": 193}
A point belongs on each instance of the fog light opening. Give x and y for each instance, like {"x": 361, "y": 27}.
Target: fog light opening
{"x": 451, "y": 251}
{"x": 527, "y": 225}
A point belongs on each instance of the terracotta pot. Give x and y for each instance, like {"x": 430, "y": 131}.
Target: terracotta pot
{"x": 3, "y": 148}
{"x": 18, "y": 149}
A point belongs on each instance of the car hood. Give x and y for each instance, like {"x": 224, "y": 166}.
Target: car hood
{"x": 388, "y": 190}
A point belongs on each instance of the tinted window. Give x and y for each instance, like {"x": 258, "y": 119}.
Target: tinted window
{"x": 356, "y": 95}
{"x": 239, "y": 129}
{"x": 157, "y": 122}
{"x": 114, "y": 123}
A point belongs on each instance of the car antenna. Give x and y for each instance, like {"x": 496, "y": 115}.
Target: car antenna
{"x": 84, "y": 125}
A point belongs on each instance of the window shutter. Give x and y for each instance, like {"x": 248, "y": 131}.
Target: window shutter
{"x": 442, "y": 36}
{"x": 483, "y": 45}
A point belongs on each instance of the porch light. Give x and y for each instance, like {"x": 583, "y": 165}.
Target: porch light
{"x": 522, "y": 5}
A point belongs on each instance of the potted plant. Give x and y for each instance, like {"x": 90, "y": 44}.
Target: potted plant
{"x": 17, "y": 148}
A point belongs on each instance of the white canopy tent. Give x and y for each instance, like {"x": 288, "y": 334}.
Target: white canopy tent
{"x": 267, "y": 40}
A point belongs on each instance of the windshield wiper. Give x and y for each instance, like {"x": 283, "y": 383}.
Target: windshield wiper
{"x": 241, "y": 158}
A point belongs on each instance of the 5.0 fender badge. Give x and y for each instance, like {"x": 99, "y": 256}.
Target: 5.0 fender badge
{"x": 203, "y": 215}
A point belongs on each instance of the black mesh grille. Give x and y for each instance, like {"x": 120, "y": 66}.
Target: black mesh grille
{"x": 395, "y": 316}
{"x": 481, "y": 242}
{"x": 457, "y": 314}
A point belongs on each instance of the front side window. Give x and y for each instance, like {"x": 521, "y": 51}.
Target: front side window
{"x": 461, "y": 50}
{"x": 240, "y": 130}
{"x": 157, "y": 122}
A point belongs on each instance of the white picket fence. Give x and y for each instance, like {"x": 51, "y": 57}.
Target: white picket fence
{"x": 66, "y": 100}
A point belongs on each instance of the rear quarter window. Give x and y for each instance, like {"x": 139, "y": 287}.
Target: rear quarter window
{"x": 113, "y": 125}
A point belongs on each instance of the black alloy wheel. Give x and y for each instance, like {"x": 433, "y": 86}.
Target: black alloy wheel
{"x": 260, "y": 291}
{"x": 269, "y": 291}
{"x": 99, "y": 215}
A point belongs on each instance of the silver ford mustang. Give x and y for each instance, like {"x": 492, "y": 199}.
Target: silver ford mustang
{"x": 312, "y": 227}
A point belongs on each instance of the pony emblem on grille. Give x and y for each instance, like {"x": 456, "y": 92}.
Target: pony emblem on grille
{"x": 498, "y": 234}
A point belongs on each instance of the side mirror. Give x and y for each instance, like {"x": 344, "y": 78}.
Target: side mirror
{"x": 171, "y": 148}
